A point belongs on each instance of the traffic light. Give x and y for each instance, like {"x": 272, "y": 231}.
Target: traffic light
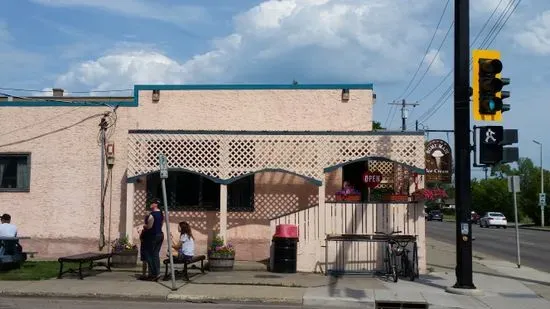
{"x": 487, "y": 93}
{"x": 492, "y": 142}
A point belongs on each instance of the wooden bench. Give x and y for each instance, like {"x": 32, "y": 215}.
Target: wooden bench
{"x": 195, "y": 259}
{"x": 88, "y": 257}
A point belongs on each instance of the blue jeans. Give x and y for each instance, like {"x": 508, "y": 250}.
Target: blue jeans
{"x": 151, "y": 246}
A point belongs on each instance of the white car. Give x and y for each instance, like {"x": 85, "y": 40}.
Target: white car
{"x": 493, "y": 219}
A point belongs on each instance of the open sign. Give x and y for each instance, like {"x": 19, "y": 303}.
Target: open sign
{"x": 372, "y": 179}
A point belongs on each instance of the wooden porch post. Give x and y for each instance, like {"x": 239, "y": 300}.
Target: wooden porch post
{"x": 223, "y": 212}
{"x": 129, "y": 224}
{"x": 323, "y": 228}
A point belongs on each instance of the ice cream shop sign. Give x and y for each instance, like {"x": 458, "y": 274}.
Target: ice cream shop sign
{"x": 439, "y": 161}
{"x": 372, "y": 179}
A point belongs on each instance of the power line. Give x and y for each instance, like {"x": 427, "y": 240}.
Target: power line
{"x": 433, "y": 60}
{"x": 425, "y": 52}
{"x": 419, "y": 64}
{"x": 494, "y": 33}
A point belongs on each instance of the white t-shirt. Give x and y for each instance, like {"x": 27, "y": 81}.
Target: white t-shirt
{"x": 8, "y": 230}
{"x": 187, "y": 245}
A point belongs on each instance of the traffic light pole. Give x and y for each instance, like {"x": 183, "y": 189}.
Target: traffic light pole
{"x": 464, "y": 278}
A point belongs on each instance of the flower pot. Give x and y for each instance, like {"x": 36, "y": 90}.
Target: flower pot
{"x": 125, "y": 259}
{"x": 348, "y": 198}
{"x": 221, "y": 263}
{"x": 395, "y": 198}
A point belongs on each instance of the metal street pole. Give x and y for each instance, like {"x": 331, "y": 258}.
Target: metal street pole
{"x": 163, "y": 166}
{"x": 464, "y": 276}
{"x": 515, "y": 184}
{"x": 541, "y": 185}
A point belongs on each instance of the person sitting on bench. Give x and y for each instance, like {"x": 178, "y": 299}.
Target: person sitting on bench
{"x": 186, "y": 244}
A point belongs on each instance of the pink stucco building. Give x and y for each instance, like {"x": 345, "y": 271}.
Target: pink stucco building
{"x": 241, "y": 158}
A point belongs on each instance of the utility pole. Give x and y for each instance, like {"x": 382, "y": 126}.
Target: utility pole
{"x": 542, "y": 196}
{"x": 464, "y": 276}
{"x": 103, "y": 128}
{"x": 404, "y": 114}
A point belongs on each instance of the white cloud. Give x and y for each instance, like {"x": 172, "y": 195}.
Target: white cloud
{"x": 437, "y": 66}
{"x": 179, "y": 14}
{"x": 488, "y": 6}
{"x": 536, "y": 35}
{"x": 314, "y": 40}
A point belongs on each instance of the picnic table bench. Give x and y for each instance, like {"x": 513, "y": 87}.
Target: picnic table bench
{"x": 195, "y": 259}
{"x": 88, "y": 257}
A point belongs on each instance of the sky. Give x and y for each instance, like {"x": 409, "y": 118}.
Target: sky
{"x": 403, "y": 47}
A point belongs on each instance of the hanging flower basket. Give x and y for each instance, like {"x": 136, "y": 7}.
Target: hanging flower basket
{"x": 428, "y": 194}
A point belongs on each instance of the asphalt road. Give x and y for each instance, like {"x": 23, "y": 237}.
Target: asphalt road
{"x": 51, "y": 303}
{"x": 500, "y": 243}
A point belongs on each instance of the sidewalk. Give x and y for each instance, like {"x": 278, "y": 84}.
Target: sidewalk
{"x": 504, "y": 286}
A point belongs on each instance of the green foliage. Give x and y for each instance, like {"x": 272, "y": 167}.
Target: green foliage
{"x": 492, "y": 194}
{"x": 377, "y": 126}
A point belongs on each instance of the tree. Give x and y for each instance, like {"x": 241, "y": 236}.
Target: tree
{"x": 492, "y": 195}
{"x": 488, "y": 195}
{"x": 377, "y": 126}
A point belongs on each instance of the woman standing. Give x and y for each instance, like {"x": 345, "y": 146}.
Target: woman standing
{"x": 152, "y": 238}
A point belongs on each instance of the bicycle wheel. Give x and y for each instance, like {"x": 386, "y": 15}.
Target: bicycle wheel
{"x": 387, "y": 260}
{"x": 394, "y": 267}
{"x": 414, "y": 262}
{"x": 406, "y": 267}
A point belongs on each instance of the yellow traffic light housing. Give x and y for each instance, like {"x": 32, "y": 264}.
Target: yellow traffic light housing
{"x": 487, "y": 94}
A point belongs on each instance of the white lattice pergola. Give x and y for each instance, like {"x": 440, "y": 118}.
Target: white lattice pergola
{"x": 224, "y": 156}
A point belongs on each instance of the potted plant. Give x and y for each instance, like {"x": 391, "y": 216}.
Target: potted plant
{"x": 124, "y": 253}
{"x": 348, "y": 194}
{"x": 221, "y": 257}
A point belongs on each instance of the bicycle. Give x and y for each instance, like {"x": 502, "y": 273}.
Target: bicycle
{"x": 397, "y": 249}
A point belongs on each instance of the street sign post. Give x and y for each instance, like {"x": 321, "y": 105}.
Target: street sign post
{"x": 514, "y": 187}
{"x": 542, "y": 199}
{"x": 163, "y": 167}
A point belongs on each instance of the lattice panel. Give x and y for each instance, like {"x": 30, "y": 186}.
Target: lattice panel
{"x": 384, "y": 167}
{"x": 224, "y": 156}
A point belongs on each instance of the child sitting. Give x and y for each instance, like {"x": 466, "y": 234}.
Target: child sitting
{"x": 186, "y": 244}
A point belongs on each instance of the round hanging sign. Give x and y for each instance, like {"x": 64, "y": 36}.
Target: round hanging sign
{"x": 372, "y": 179}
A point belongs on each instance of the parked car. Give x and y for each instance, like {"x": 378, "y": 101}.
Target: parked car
{"x": 435, "y": 215}
{"x": 493, "y": 219}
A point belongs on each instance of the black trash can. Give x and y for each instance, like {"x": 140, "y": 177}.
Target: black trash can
{"x": 284, "y": 253}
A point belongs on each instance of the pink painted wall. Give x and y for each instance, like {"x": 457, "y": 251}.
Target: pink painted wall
{"x": 62, "y": 213}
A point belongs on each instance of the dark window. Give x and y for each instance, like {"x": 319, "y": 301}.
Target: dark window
{"x": 240, "y": 194}
{"x": 14, "y": 172}
{"x": 353, "y": 173}
{"x": 189, "y": 191}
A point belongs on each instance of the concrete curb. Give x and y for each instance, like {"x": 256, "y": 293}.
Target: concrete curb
{"x": 210, "y": 299}
{"x": 82, "y": 295}
{"x": 169, "y": 297}
{"x": 534, "y": 228}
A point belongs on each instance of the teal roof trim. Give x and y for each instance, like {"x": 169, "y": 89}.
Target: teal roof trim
{"x": 368, "y": 86}
{"x": 42, "y": 103}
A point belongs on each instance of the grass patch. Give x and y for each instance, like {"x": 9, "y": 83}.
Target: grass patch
{"x": 35, "y": 270}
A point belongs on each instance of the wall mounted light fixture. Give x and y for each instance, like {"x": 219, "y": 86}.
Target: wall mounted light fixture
{"x": 156, "y": 95}
{"x": 345, "y": 95}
